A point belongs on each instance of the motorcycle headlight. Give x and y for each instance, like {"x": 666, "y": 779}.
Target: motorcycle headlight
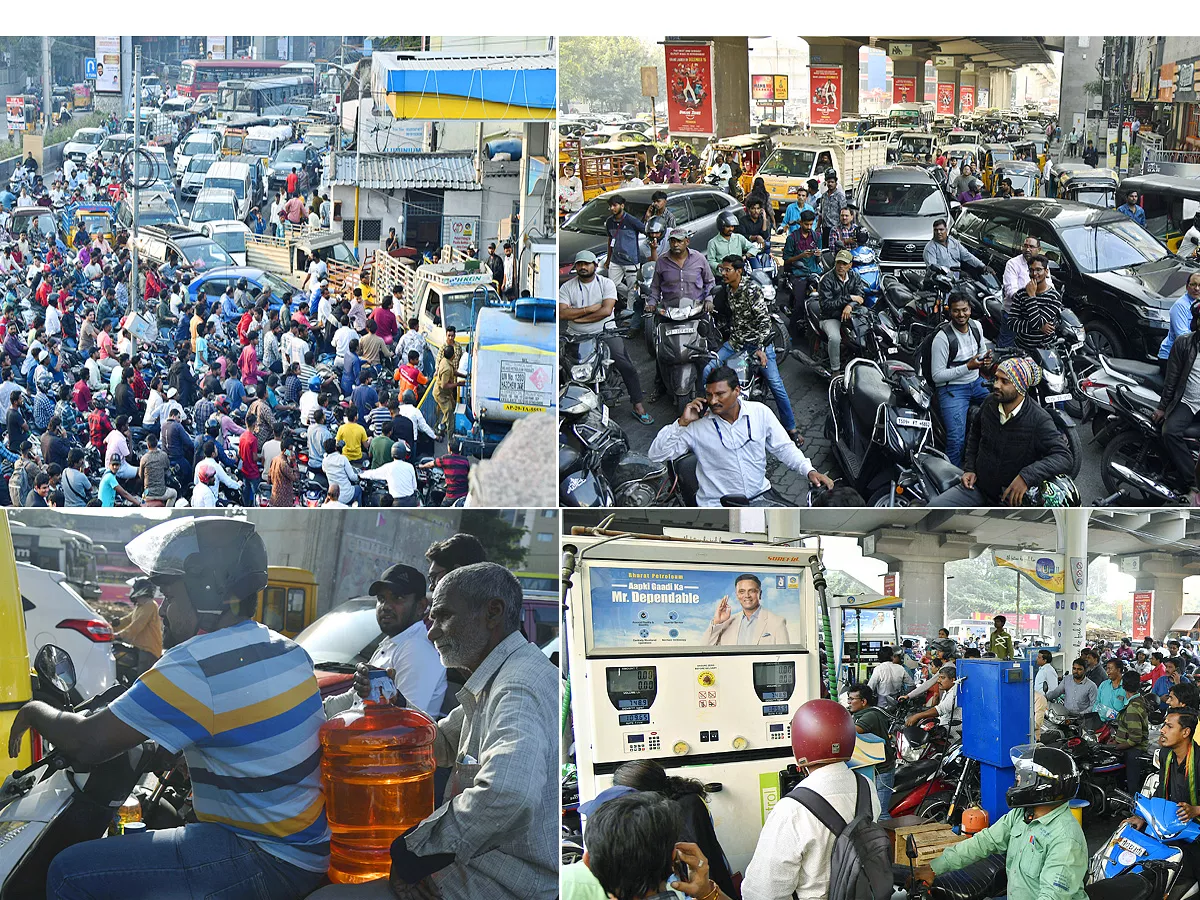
{"x": 918, "y": 394}
{"x": 867, "y": 258}
{"x": 910, "y": 753}
{"x": 581, "y": 372}
{"x": 1055, "y": 381}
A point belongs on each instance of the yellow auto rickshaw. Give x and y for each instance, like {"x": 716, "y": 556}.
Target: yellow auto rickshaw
{"x": 16, "y": 686}
{"x": 288, "y": 604}
{"x": 748, "y": 151}
{"x": 1087, "y": 185}
{"x": 1025, "y": 178}
{"x": 602, "y": 165}
{"x": 992, "y": 155}
{"x": 1169, "y": 202}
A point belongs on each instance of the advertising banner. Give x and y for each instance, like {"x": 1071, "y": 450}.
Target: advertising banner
{"x": 762, "y": 87}
{"x": 984, "y": 98}
{"x": 1143, "y": 606}
{"x": 108, "y": 64}
{"x": 689, "y": 89}
{"x": 966, "y": 98}
{"x": 824, "y": 95}
{"x": 459, "y": 232}
{"x": 945, "y": 98}
{"x": 665, "y": 608}
{"x": 904, "y": 89}
{"x": 216, "y": 47}
{"x": 781, "y": 87}
{"x": 15, "y": 107}
{"x": 891, "y": 584}
{"x": 1045, "y": 570}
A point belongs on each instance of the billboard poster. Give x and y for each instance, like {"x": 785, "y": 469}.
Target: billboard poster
{"x": 663, "y": 608}
{"x": 108, "y": 64}
{"x": 689, "y": 89}
{"x": 966, "y": 98}
{"x": 216, "y": 47}
{"x": 281, "y": 48}
{"x": 1045, "y": 570}
{"x": 945, "y": 98}
{"x": 460, "y": 232}
{"x": 985, "y": 98}
{"x": 762, "y": 87}
{"x": 824, "y": 95}
{"x": 15, "y": 109}
{"x": 904, "y": 90}
{"x": 1143, "y": 606}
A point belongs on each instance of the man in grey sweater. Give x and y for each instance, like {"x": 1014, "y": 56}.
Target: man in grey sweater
{"x": 1079, "y": 691}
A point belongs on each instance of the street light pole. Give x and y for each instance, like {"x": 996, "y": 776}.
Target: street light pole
{"x": 137, "y": 137}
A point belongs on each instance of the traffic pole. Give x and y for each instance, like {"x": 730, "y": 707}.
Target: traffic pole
{"x": 133, "y": 250}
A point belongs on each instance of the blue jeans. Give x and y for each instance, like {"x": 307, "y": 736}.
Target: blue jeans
{"x": 883, "y": 788}
{"x": 250, "y": 491}
{"x": 774, "y": 380}
{"x": 203, "y": 860}
{"x": 955, "y": 401}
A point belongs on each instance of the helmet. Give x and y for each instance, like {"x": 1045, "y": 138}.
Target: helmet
{"x": 822, "y": 732}
{"x": 628, "y": 170}
{"x": 218, "y": 559}
{"x": 212, "y": 426}
{"x": 206, "y": 474}
{"x": 1044, "y": 775}
{"x": 657, "y": 224}
{"x": 398, "y": 450}
{"x": 242, "y": 284}
{"x": 831, "y": 173}
{"x": 727, "y": 219}
{"x": 140, "y": 587}
{"x": 975, "y": 185}
{"x": 314, "y": 383}
{"x": 1053, "y": 492}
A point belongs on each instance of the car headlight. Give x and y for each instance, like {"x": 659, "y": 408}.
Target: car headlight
{"x": 581, "y": 372}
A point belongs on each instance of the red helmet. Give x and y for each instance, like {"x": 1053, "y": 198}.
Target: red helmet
{"x": 822, "y": 732}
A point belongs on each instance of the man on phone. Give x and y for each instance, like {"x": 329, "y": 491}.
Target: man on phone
{"x": 802, "y": 262}
{"x": 958, "y": 351}
{"x": 755, "y": 625}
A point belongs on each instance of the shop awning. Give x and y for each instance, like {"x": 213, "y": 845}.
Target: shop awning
{"x": 1187, "y": 622}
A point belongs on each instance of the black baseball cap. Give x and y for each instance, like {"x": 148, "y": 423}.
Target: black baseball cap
{"x": 404, "y": 580}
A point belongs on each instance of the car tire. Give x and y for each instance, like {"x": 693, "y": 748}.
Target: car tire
{"x": 1102, "y": 337}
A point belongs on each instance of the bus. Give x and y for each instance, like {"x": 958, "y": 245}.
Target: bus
{"x": 198, "y": 76}
{"x": 258, "y": 95}
{"x": 59, "y": 550}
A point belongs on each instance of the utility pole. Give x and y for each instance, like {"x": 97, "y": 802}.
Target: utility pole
{"x": 1120, "y": 86}
{"x": 137, "y": 138}
{"x": 47, "y": 85}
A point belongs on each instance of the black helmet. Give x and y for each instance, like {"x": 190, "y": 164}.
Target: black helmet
{"x": 831, "y": 173}
{"x": 628, "y": 170}
{"x": 242, "y": 284}
{"x": 1058, "y": 491}
{"x": 657, "y": 224}
{"x": 398, "y": 450}
{"x": 141, "y": 587}
{"x": 1044, "y": 775}
{"x": 727, "y": 219}
{"x": 219, "y": 559}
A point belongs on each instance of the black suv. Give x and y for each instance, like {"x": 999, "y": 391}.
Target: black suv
{"x": 1111, "y": 271}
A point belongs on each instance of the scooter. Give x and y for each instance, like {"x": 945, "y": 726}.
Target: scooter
{"x": 1139, "y": 865}
{"x": 681, "y": 348}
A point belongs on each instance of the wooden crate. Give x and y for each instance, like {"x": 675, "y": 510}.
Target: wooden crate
{"x": 931, "y": 840}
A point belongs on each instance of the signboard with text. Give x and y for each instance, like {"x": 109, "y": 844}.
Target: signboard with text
{"x": 108, "y": 64}
{"x": 945, "y": 98}
{"x": 824, "y": 95}
{"x": 15, "y": 113}
{"x": 216, "y": 47}
{"x": 460, "y": 232}
{"x": 891, "y": 584}
{"x": 904, "y": 89}
{"x": 762, "y": 87}
{"x": 966, "y": 98}
{"x": 1143, "y": 608}
{"x": 781, "y": 87}
{"x": 689, "y": 89}
{"x": 984, "y": 97}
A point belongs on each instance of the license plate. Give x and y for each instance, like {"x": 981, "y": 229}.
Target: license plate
{"x": 681, "y": 329}
{"x": 1058, "y": 398}
{"x": 905, "y": 422}
{"x": 1126, "y": 844}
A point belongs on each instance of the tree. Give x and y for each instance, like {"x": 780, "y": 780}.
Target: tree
{"x": 605, "y": 71}
{"x": 501, "y": 540}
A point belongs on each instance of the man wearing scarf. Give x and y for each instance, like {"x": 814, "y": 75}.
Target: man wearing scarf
{"x": 1011, "y": 446}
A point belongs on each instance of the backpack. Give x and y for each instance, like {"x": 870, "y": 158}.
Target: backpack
{"x": 925, "y": 353}
{"x": 861, "y": 867}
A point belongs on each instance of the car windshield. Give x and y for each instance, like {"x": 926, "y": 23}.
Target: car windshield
{"x": 200, "y": 163}
{"x": 791, "y": 163}
{"x": 904, "y": 200}
{"x": 1096, "y": 197}
{"x": 94, "y": 223}
{"x": 278, "y": 286}
{"x": 290, "y": 155}
{"x": 118, "y": 146}
{"x": 261, "y": 146}
{"x": 191, "y": 148}
{"x": 590, "y": 219}
{"x": 159, "y": 171}
{"x": 89, "y": 137}
{"x": 212, "y": 210}
{"x": 1111, "y": 245}
{"x": 457, "y": 308}
{"x": 236, "y": 185}
{"x": 206, "y": 255}
{"x": 233, "y": 241}
{"x": 340, "y": 253}
{"x": 346, "y": 635}
{"x": 43, "y": 222}
{"x": 157, "y": 215}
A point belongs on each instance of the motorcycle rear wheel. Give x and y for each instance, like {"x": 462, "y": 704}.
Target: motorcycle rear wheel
{"x": 782, "y": 340}
{"x": 937, "y": 807}
{"x": 1129, "y": 448}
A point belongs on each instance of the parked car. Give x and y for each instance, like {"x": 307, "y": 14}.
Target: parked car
{"x": 897, "y": 205}
{"x": 1117, "y": 277}
{"x": 83, "y": 143}
{"x": 201, "y": 253}
{"x": 694, "y": 205}
{"x": 56, "y": 614}
{"x": 230, "y": 235}
{"x": 31, "y": 218}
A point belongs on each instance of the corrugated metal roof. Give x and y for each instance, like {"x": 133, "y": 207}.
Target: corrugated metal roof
{"x": 389, "y": 171}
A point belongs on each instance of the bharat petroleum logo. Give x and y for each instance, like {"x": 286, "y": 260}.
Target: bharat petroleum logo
{"x": 1044, "y": 567}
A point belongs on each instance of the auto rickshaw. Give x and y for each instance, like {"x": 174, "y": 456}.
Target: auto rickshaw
{"x": 1169, "y": 201}
{"x": 93, "y": 218}
{"x": 1086, "y": 184}
{"x": 993, "y": 154}
{"x": 1024, "y": 176}
{"x": 749, "y": 150}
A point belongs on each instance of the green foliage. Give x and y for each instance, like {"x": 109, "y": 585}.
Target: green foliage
{"x": 605, "y": 72}
{"x": 501, "y": 540}
{"x": 62, "y": 133}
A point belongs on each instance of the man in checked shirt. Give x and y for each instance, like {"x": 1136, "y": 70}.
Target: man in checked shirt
{"x": 495, "y": 837}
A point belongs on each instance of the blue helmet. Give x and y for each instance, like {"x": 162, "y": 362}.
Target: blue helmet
{"x": 314, "y": 383}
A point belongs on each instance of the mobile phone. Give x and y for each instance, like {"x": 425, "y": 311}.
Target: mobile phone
{"x": 681, "y": 870}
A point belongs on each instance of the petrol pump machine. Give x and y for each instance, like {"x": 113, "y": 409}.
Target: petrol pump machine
{"x": 695, "y": 655}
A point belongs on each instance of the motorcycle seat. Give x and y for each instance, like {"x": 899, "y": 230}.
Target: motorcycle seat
{"x": 1146, "y": 374}
{"x": 1123, "y": 887}
{"x": 944, "y": 473}
{"x": 868, "y": 391}
{"x": 912, "y": 278}
{"x": 985, "y": 878}
{"x": 899, "y": 294}
{"x": 813, "y": 306}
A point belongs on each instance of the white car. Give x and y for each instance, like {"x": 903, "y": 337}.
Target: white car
{"x": 56, "y": 614}
{"x": 229, "y": 234}
{"x": 213, "y": 204}
{"x": 195, "y": 144}
{"x": 192, "y": 177}
{"x": 84, "y": 142}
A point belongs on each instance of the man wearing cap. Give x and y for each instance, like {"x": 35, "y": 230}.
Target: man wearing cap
{"x": 586, "y": 303}
{"x": 1011, "y": 445}
{"x": 144, "y": 627}
{"x": 622, "y": 254}
{"x": 838, "y": 293}
{"x": 405, "y": 650}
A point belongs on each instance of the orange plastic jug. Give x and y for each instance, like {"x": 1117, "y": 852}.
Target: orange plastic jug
{"x": 377, "y": 770}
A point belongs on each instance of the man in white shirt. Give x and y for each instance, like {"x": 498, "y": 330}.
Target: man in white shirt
{"x": 400, "y": 476}
{"x": 293, "y": 347}
{"x": 53, "y": 317}
{"x": 418, "y": 671}
{"x": 570, "y": 190}
{"x": 309, "y": 401}
{"x": 946, "y": 706}
{"x": 204, "y": 494}
{"x": 409, "y": 409}
{"x": 341, "y": 341}
{"x": 1016, "y": 278}
{"x": 1046, "y": 678}
{"x": 889, "y": 679}
{"x": 794, "y": 850}
{"x": 731, "y": 442}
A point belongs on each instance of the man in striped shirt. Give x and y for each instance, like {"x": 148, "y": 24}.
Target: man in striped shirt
{"x": 240, "y": 701}
{"x": 1036, "y": 310}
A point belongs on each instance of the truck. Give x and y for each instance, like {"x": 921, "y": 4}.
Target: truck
{"x": 59, "y": 550}
{"x": 798, "y": 158}
{"x": 288, "y": 257}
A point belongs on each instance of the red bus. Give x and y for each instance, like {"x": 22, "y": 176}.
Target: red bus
{"x": 198, "y": 76}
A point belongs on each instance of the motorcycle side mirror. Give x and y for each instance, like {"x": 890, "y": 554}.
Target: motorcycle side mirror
{"x": 54, "y": 665}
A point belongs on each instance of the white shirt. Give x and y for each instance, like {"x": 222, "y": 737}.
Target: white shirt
{"x": 570, "y": 192}
{"x": 308, "y": 406}
{"x": 153, "y": 406}
{"x": 509, "y": 260}
{"x": 293, "y": 349}
{"x": 415, "y": 416}
{"x": 204, "y": 496}
{"x": 947, "y": 706}
{"x": 219, "y": 469}
{"x": 794, "y": 849}
{"x": 400, "y": 476}
{"x": 732, "y": 459}
{"x": 420, "y": 675}
{"x": 341, "y": 343}
{"x": 1046, "y": 679}
{"x": 409, "y": 341}
{"x": 53, "y": 321}
{"x": 1016, "y": 277}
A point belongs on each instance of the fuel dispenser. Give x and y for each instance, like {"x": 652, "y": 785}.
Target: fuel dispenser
{"x": 695, "y": 655}
{"x": 995, "y": 702}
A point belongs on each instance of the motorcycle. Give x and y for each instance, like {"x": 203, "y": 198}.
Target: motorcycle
{"x": 682, "y": 346}
{"x": 868, "y": 334}
{"x": 867, "y": 268}
{"x": 1143, "y": 864}
{"x": 1134, "y": 463}
{"x": 586, "y": 360}
{"x": 879, "y": 426}
{"x": 1102, "y": 377}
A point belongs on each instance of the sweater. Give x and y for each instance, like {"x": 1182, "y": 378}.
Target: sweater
{"x": 1029, "y": 445}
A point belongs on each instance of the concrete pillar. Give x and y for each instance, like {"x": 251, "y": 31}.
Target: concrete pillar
{"x": 910, "y": 67}
{"x": 1070, "y": 612}
{"x": 949, "y": 76}
{"x": 839, "y": 52}
{"x": 1162, "y": 573}
{"x": 921, "y": 561}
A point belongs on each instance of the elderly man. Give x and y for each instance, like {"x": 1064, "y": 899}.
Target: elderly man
{"x": 495, "y": 837}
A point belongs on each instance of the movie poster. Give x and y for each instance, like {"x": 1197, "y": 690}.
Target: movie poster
{"x": 824, "y": 95}
{"x": 689, "y": 89}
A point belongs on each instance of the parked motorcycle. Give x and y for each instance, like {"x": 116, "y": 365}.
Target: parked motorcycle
{"x": 585, "y": 359}
{"x": 1140, "y": 865}
{"x": 1134, "y": 464}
